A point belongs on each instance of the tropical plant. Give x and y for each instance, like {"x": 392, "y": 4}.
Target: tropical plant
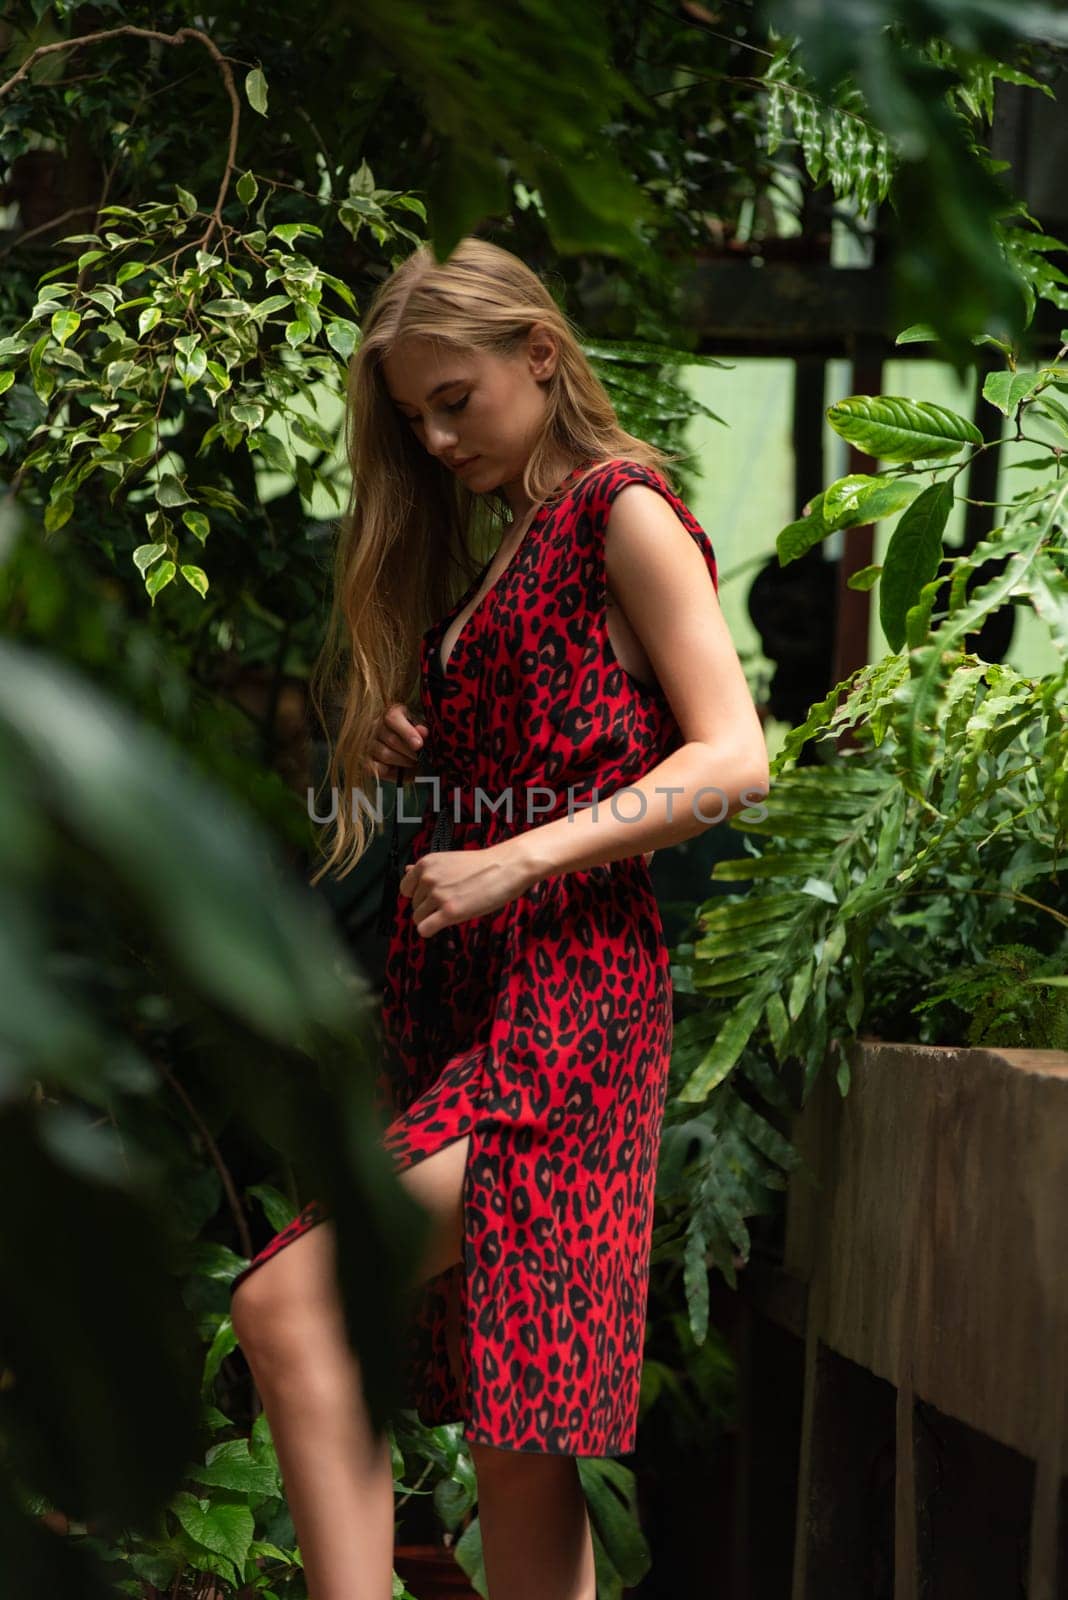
{"x": 891, "y": 101}
{"x": 171, "y": 386}
{"x": 935, "y": 843}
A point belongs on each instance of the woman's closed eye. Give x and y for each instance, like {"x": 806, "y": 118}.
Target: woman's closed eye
{"x": 459, "y": 406}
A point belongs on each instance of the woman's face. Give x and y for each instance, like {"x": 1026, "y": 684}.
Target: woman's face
{"x": 477, "y": 413}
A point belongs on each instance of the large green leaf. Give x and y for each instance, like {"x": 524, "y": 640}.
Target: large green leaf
{"x": 610, "y": 1493}
{"x": 230, "y": 1466}
{"x": 913, "y": 556}
{"x": 894, "y": 429}
{"x": 181, "y": 847}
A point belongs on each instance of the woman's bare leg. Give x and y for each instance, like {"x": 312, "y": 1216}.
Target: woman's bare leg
{"x": 289, "y": 1322}
{"x": 536, "y": 1536}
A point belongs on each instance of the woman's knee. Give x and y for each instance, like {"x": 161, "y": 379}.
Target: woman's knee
{"x": 279, "y": 1308}
{"x": 258, "y": 1315}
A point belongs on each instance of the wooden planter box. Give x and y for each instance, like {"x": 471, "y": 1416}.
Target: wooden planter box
{"x": 924, "y": 1289}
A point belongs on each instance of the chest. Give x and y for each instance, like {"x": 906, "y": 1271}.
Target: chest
{"x": 626, "y": 645}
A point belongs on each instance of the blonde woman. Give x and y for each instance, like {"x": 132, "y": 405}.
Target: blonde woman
{"x": 580, "y": 704}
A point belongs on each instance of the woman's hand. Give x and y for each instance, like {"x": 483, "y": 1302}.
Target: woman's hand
{"x": 397, "y": 743}
{"x": 450, "y": 886}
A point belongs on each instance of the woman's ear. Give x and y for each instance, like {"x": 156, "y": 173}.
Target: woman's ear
{"x": 542, "y": 352}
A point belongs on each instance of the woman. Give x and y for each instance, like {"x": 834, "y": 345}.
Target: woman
{"x": 527, "y": 1002}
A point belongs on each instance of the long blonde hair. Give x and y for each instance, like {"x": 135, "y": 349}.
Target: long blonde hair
{"x": 413, "y": 536}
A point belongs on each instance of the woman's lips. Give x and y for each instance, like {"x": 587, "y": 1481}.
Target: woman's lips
{"x": 460, "y": 465}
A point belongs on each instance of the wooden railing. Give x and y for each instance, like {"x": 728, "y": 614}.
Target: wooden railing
{"x": 925, "y": 1281}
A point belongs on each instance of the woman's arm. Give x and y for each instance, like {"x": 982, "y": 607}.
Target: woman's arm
{"x": 661, "y": 580}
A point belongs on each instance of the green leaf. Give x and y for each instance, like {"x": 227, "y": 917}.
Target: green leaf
{"x": 227, "y": 306}
{"x": 891, "y": 428}
{"x": 857, "y": 499}
{"x": 620, "y": 1533}
{"x": 43, "y": 380}
{"x": 297, "y": 332}
{"x": 1048, "y": 407}
{"x": 141, "y": 443}
{"x": 6, "y": 380}
{"x": 340, "y": 288}
{"x": 918, "y": 333}
{"x": 724, "y": 1051}
{"x": 225, "y": 1529}
{"x": 251, "y": 415}
{"x": 307, "y": 429}
{"x": 247, "y": 188}
{"x": 148, "y": 320}
{"x": 272, "y": 449}
{"x": 64, "y": 324}
{"x": 158, "y": 525}
{"x": 797, "y": 538}
{"x": 341, "y": 335}
{"x": 306, "y": 478}
{"x": 274, "y": 302}
{"x": 192, "y": 368}
{"x": 160, "y": 578}
{"x": 146, "y": 555}
{"x": 196, "y": 578}
{"x": 231, "y": 1467}
{"x": 256, "y": 90}
{"x": 58, "y": 512}
{"x": 288, "y": 231}
{"x": 1006, "y": 389}
{"x": 54, "y": 291}
{"x": 170, "y": 492}
{"x": 198, "y": 525}
{"x": 116, "y": 374}
{"x": 187, "y": 201}
{"x": 912, "y": 558}
{"x": 277, "y": 1208}
{"x": 362, "y": 180}
{"x": 130, "y": 269}
{"x": 863, "y": 579}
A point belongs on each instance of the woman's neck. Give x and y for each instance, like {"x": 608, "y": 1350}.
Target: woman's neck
{"x": 520, "y": 503}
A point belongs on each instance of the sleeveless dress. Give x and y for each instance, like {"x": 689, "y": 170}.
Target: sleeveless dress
{"x": 543, "y": 1030}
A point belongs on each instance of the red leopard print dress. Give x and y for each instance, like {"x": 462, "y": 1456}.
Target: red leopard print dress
{"x": 543, "y": 1030}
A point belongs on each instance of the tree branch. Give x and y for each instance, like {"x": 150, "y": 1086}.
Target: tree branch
{"x": 182, "y": 36}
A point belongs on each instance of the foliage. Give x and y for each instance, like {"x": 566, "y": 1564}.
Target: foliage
{"x": 131, "y": 970}
{"x": 934, "y": 845}
{"x": 998, "y": 995}
{"x": 116, "y": 363}
{"x": 141, "y": 373}
{"x": 910, "y": 86}
{"x": 172, "y": 369}
{"x": 171, "y": 382}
